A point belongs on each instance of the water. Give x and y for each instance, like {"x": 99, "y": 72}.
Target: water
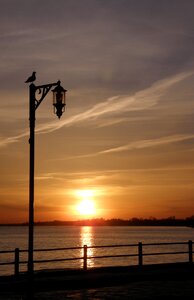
{"x": 75, "y": 236}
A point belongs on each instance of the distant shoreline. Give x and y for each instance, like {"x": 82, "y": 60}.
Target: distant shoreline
{"x": 171, "y": 221}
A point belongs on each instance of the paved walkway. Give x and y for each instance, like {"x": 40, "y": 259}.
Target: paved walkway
{"x": 141, "y": 290}
{"x": 133, "y": 290}
{"x": 153, "y": 282}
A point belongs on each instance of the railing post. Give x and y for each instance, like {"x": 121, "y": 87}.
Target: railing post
{"x": 17, "y": 258}
{"x": 140, "y": 254}
{"x": 190, "y": 244}
{"x": 85, "y": 257}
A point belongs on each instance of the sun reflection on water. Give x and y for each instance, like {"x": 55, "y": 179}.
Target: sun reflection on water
{"x": 86, "y": 238}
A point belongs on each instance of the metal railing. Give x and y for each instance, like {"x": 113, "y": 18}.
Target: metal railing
{"x": 140, "y": 254}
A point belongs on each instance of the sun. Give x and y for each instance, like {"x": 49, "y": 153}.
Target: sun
{"x": 86, "y": 207}
{"x": 86, "y": 204}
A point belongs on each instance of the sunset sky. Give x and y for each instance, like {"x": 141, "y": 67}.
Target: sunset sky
{"x": 126, "y": 141}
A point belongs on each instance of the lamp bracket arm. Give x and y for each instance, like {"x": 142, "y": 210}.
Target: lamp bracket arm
{"x": 43, "y": 91}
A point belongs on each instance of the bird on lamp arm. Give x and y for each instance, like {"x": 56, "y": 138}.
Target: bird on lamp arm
{"x": 58, "y": 94}
{"x": 31, "y": 78}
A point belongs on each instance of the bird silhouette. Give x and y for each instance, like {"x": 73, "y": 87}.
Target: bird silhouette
{"x": 31, "y": 78}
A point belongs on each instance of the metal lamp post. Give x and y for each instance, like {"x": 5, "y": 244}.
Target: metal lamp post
{"x": 59, "y": 108}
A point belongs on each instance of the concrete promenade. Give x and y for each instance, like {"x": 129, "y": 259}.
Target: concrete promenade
{"x": 158, "y": 289}
{"x": 174, "y": 281}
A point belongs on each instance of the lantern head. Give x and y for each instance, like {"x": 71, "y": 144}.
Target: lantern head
{"x": 59, "y": 99}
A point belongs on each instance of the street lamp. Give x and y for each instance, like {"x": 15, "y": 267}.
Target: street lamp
{"x": 59, "y": 108}
{"x": 59, "y": 100}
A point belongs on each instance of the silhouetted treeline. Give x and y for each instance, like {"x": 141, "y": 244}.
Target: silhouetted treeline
{"x": 170, "y": 221}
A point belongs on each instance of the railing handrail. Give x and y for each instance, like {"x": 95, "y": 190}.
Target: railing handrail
{"x": 140, "y": 253}
{"x": 96, "y": 247}
{"x": 7, "y": 251}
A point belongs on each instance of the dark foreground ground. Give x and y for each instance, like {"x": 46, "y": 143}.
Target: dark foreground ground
{"x": 174, "y": 281}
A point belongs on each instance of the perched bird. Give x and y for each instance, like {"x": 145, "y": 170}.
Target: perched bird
{"x": 31, "y": 78}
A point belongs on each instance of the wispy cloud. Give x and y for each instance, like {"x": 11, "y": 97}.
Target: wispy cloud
{"x": 143, "y": 144}
{"x": 5, "y": 141}
{"x": 141, "y": 100}
{"x": 150, "y": 143}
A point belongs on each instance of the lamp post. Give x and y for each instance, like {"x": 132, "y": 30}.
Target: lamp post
{"x": 59, "y": 108}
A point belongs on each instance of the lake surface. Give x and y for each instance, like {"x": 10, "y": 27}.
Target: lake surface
{"x": 76, "y": 236}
